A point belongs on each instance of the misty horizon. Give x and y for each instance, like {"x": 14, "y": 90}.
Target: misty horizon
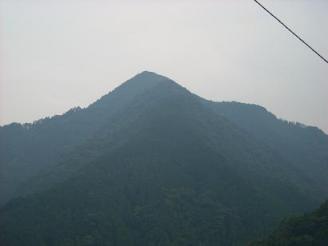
{"x": 59, "y": 55}
{"x": 142, "y": 72}
{"x": 163, "y": 123}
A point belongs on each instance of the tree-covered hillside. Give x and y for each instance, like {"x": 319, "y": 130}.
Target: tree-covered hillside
{"x": 26, "y": 150}
{"x": 307, "y": 230}
{"x": 153, "y": 164}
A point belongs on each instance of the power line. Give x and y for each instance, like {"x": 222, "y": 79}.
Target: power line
{"x": 292, "y": 32}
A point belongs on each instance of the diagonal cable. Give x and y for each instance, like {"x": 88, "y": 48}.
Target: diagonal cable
{"x": 292, "y": 32}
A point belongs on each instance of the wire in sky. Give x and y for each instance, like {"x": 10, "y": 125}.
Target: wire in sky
{"x": 292, "y": 32}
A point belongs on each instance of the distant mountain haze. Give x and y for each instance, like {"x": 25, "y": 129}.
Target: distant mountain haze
{"x": 152, "y": 164}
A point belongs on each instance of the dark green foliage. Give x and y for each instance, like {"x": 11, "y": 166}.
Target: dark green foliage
{"x": 28, "y": 149}
{"x": 153, "y": 164}
{"x": 305, "y": 148}
{"x": 308, "y": 230}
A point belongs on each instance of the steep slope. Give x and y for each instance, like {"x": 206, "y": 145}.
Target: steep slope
{"x": 27, "y": 149}
{"x": 309, "y": 229}
{"x": 163, "y": 169}
{"x": 306, "y": 148}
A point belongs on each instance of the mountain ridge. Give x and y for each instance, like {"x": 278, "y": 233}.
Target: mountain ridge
{"x": 156, "y": 163}
{"x": 140, "y": 78}
{"x": 119, "y": 98}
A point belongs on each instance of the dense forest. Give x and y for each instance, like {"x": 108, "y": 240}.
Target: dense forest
{"x": 308, "y": 230}
{"x": 152, "y": 164}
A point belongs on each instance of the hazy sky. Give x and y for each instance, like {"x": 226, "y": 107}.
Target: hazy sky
{"x": 55, "y": 55}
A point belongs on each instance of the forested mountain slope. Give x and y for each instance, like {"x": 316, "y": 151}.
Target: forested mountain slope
{"x": 152, "y": 164}
{"x": 306, "y": 148}
{"x": 307, "y": 230}
{"x": 27, "y": 149}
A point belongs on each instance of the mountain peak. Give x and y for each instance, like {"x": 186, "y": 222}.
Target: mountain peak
{"x": 137, "y": 85}
{"x": 146, "y": 80}
{"x": 147, "y": 73}
{"x": 149, "y": 76}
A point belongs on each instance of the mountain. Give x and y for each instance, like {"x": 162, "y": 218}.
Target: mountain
{"x": 152, "y": 164}
{"x": 304, "y": 147}
{"x": 27, "y": 149}
{"x": 309, "y": 229}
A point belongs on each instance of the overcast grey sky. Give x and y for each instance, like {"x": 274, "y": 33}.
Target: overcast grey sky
{"x": 55, "y": 55}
